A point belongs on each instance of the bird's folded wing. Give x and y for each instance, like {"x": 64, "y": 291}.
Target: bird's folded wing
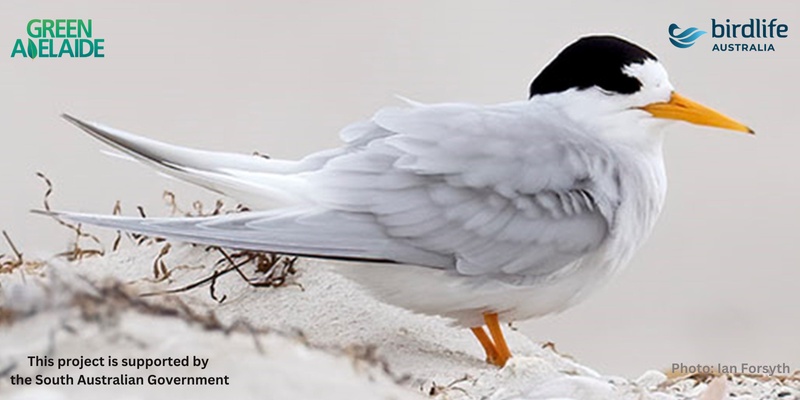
{"x": 507, "y": 189}
{"x": 306, "y": 232}
{"x": 502, "y": 190}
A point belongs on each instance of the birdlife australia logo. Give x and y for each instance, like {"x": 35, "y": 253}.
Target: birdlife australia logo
{"x": 753, "y": 34}
{"x": 59, "y": 38}
{"x": 685, "y": 38}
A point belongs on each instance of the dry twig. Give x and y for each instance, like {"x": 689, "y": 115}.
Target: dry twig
{"x": 12, "y": 263}
{"x": 76, "y": 252}
{"x": 273, "y": 270}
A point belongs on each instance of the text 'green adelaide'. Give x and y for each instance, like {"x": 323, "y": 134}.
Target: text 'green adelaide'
{"x": 57, "y": 38}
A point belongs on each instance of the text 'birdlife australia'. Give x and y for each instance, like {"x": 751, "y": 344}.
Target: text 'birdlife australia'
{"x": 59, "y": 38}
{"x": 726, "y": 34}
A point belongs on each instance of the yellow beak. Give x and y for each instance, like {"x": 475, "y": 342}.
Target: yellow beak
{"x": 683, "y": 109}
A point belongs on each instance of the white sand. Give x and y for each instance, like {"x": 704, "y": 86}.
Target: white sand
{"x": 328, "y": 340}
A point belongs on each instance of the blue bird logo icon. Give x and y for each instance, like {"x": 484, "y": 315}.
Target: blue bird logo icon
{"x": 686, "y": 38}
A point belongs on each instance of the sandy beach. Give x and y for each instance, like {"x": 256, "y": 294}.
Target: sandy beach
{"x": 314, "y": 336}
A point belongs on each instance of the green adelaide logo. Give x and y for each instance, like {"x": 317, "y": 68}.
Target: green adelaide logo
{"x": 57, "y": 38}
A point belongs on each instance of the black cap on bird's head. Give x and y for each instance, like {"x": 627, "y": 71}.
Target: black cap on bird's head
{"x": 592, "y": 61}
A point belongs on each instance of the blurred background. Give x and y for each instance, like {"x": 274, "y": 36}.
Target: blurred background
{"x": 718, "y": 279}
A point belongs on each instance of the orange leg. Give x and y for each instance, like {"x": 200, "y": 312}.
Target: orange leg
{"x": 503, "y": 353}
{"x": 488, "y": 345}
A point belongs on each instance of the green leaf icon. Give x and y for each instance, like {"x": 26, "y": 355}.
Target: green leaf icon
{"x": 32, "y": 53}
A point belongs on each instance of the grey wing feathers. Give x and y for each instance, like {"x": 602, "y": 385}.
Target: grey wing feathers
{"x": 313, "y": 233}
{"x": 481, "y": 190}
{"x": 502, "y": 194}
